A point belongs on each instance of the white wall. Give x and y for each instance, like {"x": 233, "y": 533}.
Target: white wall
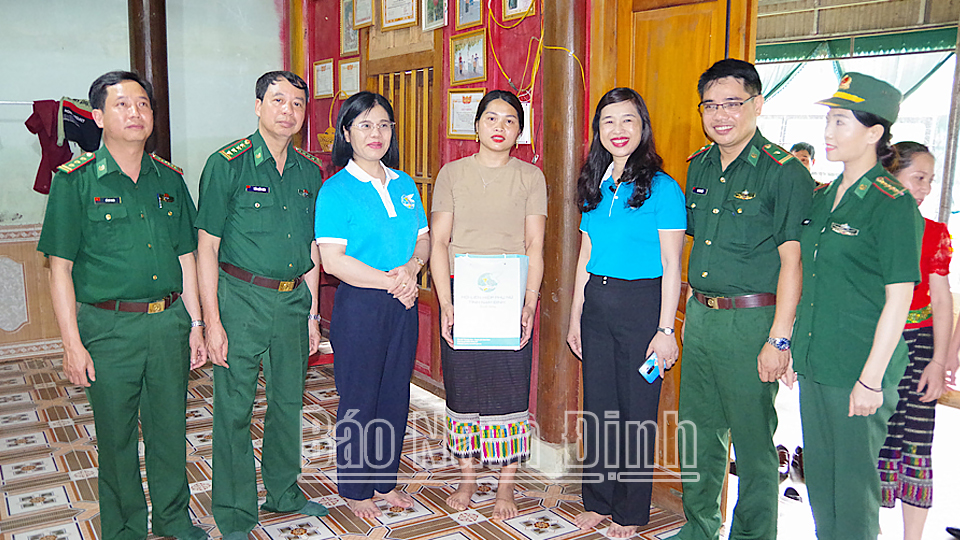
{"x": 55, "y": 48}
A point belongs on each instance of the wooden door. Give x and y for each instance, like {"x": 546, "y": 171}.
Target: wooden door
{"x": 660, "y": 48}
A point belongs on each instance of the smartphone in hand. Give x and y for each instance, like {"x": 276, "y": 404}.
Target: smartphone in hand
{"x": 649, "y": 369}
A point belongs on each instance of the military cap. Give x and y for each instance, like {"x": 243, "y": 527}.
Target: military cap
{"x": 859, "y": 92}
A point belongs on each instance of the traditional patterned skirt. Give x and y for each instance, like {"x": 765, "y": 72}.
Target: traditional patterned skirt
{"x": 488, "y": 396}
{"x": 906, "y": 468}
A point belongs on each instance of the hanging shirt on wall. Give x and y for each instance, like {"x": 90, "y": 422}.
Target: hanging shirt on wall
{"x": 43, "y": 123}
{"x": 75, "y": 123}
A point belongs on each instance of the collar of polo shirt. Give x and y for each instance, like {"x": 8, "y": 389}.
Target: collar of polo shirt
{"x": 362, "y": 176}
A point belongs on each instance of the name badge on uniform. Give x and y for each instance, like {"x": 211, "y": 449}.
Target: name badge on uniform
{"x": 304, "y": 193}
{"x": 744, "y": 195}
{"x": 805, "y": 222}
{"x": 106, "y": 200}
{"x": 258, "y": 189}
{"x": 844, "y": 229}
{"x": 700, "y": 190}
{"x": 407, "y": 200}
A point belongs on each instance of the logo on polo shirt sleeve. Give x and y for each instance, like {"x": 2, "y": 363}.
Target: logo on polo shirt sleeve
{"x": 407, "y": 200}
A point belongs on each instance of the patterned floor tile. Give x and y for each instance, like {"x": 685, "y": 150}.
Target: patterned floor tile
{"x": 541, "y": 525}
{"x": 26, "y": 469}
{"x": 43, "y": 499}
{"x": 70, "y": 531}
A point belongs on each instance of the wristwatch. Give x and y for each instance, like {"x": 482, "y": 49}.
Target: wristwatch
{"x": 420, "y": 261}
{"x": 667, "y": 331}
{"x": 781, "y": 343}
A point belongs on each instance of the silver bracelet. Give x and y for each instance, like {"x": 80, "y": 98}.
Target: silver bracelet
{"x": 314, "y": 318}
{"x": 194, "y": 324}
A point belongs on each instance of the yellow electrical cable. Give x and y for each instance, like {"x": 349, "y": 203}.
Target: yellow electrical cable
{"x": 522, "y": 18}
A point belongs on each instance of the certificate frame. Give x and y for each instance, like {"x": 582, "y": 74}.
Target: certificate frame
{"x": 349, "y": 71}
{"x": 323, "y": 79}
{"x": 396, "y": 14}
{"x": 514, "y": 9}
{"x": 349, "y": 37}
{"x": 468, "y": 13}
{"x": 429, "y": 16}
{"x": 471, "y": 46}
{"x": 362, "y": 14}
{"x": 459, "y": 101}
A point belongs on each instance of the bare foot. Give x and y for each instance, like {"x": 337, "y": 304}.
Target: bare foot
{"x": 363, "y": 509}
{"x": 589, "y": 520}
{"x": 396, "y": 498}
{"x": 505, "y": 507}
{"x": 459, "y": 500}
{"x": 621, "y": 531}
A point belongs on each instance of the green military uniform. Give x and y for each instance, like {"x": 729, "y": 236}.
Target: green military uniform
{"x": 738, "y": 218}
{"x": 265, "y": 223}
{"x": 124, "y": 239}
{"x": 849, "y": 255}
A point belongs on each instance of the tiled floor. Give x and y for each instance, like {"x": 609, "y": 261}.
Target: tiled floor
{"x": 48, "y": 466}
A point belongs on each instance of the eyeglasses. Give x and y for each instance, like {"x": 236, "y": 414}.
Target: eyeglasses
{"x": 367, "y": 127}
{"x": 731, "y": 107}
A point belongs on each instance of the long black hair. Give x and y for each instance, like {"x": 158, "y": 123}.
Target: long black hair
{"x": 641, "y": 166}
{"x": 885, "y": 153}
{"x": 353, "y": 107}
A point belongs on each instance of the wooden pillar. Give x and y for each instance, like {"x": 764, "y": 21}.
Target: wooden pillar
{"x": 147, "y": 20}
{"x": 563, "y": 95}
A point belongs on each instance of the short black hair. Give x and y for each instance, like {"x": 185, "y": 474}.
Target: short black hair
{"x": 271, "y": 77}
{"x": 98, "y": 90}
{"x": 802, "y": 146}
{"x": 503, "y": 95}
{"x": 353, "y": 107}
{"x": 744, "y": 72}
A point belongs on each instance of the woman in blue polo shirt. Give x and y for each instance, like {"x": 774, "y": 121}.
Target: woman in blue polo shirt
{"x": 624, "y": 305}
{"x": 373, "y": 236}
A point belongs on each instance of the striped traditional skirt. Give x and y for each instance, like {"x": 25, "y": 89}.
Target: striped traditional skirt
{"x": 906, "y": 468}
{"x": 488, "y": 396}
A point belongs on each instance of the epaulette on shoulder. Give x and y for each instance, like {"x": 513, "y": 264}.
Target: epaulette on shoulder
{"x": 890, "y": 187}
{"x": 778, "y": 154}
{"x": 81, "y": 160}
{"x": 820, "y": 186}
{"x": 702, "y": 149}
{"x": 159, "y": 159}
{"x": 232, "y": 151}
{"x": 314, "y": 159}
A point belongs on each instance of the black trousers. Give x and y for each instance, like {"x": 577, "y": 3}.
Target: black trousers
{"x": 619, "y": 319}
{"x": 374, "y": 341}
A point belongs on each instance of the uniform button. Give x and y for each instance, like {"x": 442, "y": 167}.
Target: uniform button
{"x": 108, "y": 217}
{"x": 288, "y": 236}
{"x": 149, "y": 245}
{"x": 823, "y": 229}
{"x": 169, "y": 213}
{"x": 739, "y": 210}
{"x": 256, "y": 205}
{"x": 704, "y": 274}
{"x": 290, "y": 265}
{"x": 707, "y": 242}
{"x": 809, "y": 334}
{"x": 723, "y": 180}
{"x": 142, "y": 216}
{"x": 154, "y": 277}
{"x": 286, "y": 207}
{"x": 693, "y": 205}
{"x": 716, "y": 210}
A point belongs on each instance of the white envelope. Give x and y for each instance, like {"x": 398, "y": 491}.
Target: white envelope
{"x": 488, "y": 295}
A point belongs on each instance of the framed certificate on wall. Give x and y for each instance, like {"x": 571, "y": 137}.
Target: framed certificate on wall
{"x": 396, "y": 14}
{"x": 462, "y": 111}
{"x": 323, "y": 78}
{"x": 349, "y": 77}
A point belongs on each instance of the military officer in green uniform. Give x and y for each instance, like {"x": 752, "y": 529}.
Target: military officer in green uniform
{"x": 861, "y": 259}
{"x": 746, "y": 199}
{"x": 119, "y": 235}
{"x": 259, "y": 272}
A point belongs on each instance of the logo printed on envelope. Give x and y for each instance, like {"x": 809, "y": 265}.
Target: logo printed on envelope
{"x": 407, "y": 200}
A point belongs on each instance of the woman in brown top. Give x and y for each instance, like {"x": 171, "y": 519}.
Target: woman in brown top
{"x": 488, "y": 203}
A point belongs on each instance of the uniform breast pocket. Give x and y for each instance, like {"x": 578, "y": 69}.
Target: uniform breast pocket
{"x": 109, "y": 226}
{"x": 745, "y": 216}
{"x": 254, "y": 212}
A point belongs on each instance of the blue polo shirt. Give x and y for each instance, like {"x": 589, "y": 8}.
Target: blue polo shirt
{"x": 378, "y": 224}
{"x": 625, "y": 241}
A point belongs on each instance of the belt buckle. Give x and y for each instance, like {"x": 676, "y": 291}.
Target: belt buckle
{"x": 285, "y": 286}
{"x": 156, "y": 307}
{"x": 712, "y": 302}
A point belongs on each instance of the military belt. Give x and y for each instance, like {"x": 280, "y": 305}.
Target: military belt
{"x": 733, "y": 302}
{"x": 139, "y": 307}
{"x": 269, "y": 283}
